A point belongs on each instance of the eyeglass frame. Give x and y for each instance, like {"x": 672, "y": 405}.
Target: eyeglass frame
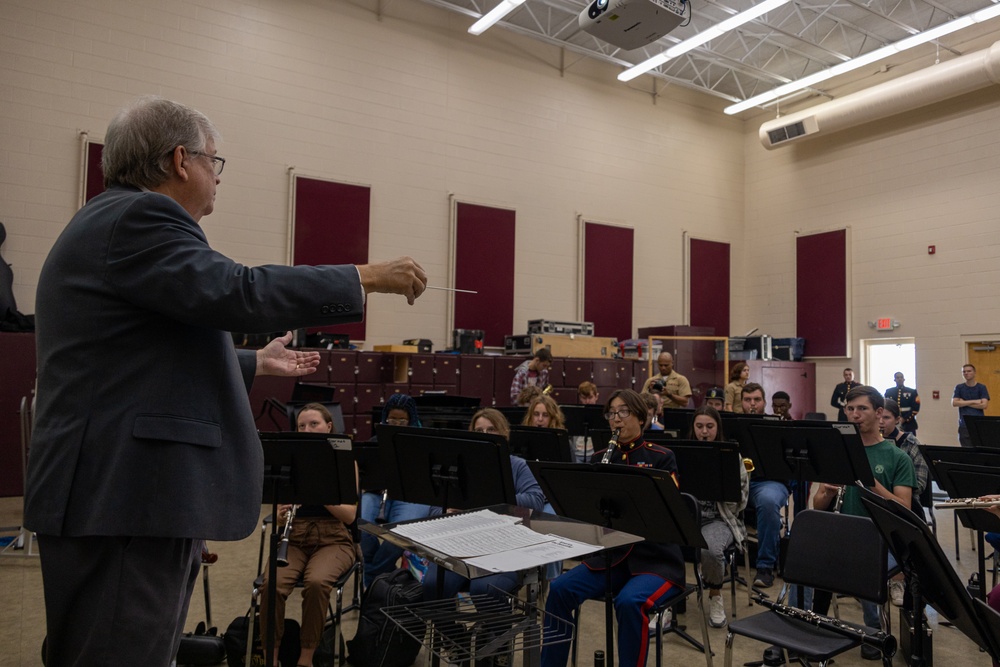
{"x": 397, "y": 422}
{"x": 217, "y": 161}
{"x": 618, "y": 413}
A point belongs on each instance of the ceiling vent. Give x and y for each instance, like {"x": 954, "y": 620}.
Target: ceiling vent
{"x": 912, "y": 91}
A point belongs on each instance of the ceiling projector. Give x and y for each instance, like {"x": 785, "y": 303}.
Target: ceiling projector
{"x": 629, "y": 24}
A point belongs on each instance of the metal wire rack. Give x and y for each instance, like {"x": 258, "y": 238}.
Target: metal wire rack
{"x": 468, "y": 628}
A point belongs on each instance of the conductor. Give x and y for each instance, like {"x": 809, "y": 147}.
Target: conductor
{"x": 144, "y": 442}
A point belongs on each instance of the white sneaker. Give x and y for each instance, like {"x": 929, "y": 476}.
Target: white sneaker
{"x": 896, "y": 592}
{"x": 668, "y": 615}
{"x": 716, "y": 611}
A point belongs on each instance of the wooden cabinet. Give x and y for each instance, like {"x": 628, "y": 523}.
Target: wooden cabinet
{"x": 17, "y": 370}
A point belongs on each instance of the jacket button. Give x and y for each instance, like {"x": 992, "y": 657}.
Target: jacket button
{"x": 325, "y": 310}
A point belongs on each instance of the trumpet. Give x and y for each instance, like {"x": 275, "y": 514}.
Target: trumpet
{"x": 612, "y": 446}
{"x": 748, "y": 464}
{"x": 281, "y": 558}
{"x": 547, "y": 390}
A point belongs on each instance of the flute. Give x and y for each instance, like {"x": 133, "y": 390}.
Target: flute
{"x": 965, "y": 503}
{"x": 281, "y": 558}
{"x": 883, "y": 641}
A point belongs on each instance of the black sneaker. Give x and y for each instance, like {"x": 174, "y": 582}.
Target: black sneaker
{"x": 870, "y": 652}
{"x": 764, "y": 578}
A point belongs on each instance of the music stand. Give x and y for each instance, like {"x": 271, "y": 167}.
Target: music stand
{"x": 962, "y": 480}
{"x": 446, "y": 468}
{"x": 371, "y": 472}
{"x": 931, "y": 578}
{"x": 819, "y": 452}
{"x": 533, "y": 443}
{"x": 983, "y": 431}
{"x": 582, "y": 419}
{"x": 709, "y": 467}
{"x": 641, "y": 501}
{"x": 677, "y": 421}
{"x": 301, "y": 469}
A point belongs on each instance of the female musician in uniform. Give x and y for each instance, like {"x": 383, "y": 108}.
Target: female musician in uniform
{"x": 643, "y": 574}
{"x": 721, "y": 524}
{"x": 320, "y": 550}
{"x": 543, "y": 411}
{"x": 739, "y": 374}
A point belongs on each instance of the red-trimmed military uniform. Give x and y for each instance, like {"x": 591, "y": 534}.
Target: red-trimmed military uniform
{"x": 642, "y": 575}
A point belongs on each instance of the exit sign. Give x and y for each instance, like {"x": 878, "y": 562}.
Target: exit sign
{"x": 885, "y": 324}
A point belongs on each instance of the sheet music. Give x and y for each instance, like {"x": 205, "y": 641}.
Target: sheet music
{"x": 555, "y": 549}
{"x": 471, "y": 534}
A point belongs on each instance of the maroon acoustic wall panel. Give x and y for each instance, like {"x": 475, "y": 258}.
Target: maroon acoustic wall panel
{"x": 484, "y": 263}
{"x": 331, "y": 227}
{"x": 709, "y": 285}
{"x": 95, "y": 175}
{"x": 607, "y": 282}
{"x": 821, "y": 293}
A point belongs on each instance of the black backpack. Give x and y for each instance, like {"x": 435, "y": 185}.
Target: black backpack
{"x": 235, "y": 642}
{"x": 379, "y": 642}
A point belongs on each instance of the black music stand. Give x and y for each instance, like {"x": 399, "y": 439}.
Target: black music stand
{"x": 533, "y": 443}
{"x": 963, "y": 480}
{"x": 818, "y": 452}
{"x": 709, "y": 467}
{"x": 302, "y": 469}
{"x": 676, "y": 421}
{"x": 931, "y": 578}
{"x": 446, "y": 468}
{"x": 371, "y": 472}
{"x": 640, "y": 501}
{"x": 582, "y": 419}
{"x": 984, "y": 431}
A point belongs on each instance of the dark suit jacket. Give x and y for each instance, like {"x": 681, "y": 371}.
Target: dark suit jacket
{"x": 143, "y": 424}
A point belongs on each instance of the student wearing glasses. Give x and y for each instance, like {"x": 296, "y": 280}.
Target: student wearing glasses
{"x": 377, "y": 506}
{"x": 643, "y": 575}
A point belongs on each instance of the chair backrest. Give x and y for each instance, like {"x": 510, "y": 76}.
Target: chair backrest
{"x": 839, "y": 553}
{"x": 692, "y": 554}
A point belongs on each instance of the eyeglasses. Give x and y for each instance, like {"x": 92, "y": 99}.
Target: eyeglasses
{"x": 397, "y": 422}
{"x": 487, "y": 429}
{"x": 218, "y": 163}
{"x": 621, "y": 413}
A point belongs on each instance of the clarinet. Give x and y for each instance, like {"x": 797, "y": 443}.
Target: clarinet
{"x": 612, "y": 447}
{"x": 281, "y": 558}
{"x": 883, "y": 641}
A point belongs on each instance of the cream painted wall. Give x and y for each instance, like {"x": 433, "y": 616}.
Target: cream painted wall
{"x": 407, "y": 103}
{"x": 929, "y": 177}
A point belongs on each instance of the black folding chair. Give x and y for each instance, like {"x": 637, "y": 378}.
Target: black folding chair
{"x": 833, "y": 552}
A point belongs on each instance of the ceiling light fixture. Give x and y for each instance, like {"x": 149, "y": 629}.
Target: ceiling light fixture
{"x": 862, "y": 60}
{"x": 505, "y": 7}
{"x": 706, "y": 35}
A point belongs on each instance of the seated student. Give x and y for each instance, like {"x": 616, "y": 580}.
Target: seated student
{"x": 721, "y": 524}
{"x": 528, "y": 494}
{"x": 716, "y": 398}
{"x": 544, "y": 412}
{"x": 642, "y": 575}
{"x": 587, "y": 394}
{"x": 654, "y": 408}
{"x": 527, "y": 395}
{"x": 320, "y": 550}
{"x": 781, "y": 406}
{"x": 376, "y": 506}
{"x": 894, "y": 480}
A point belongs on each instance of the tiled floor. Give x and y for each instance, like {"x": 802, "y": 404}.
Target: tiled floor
{"x": 22, "y": 615}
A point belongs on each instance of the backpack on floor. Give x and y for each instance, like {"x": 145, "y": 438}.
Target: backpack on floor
{"x": 379, "y": 642}
{"x": 235, "y": 639}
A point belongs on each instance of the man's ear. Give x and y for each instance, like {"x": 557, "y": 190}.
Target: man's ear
{"x": 178, "y": 159}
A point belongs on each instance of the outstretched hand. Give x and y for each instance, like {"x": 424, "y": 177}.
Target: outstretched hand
{"x": 276, "y": 359}
{"x": 399, "y": 276}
